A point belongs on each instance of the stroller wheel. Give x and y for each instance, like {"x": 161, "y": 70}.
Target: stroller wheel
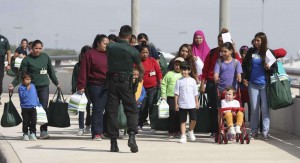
{"x": 221, "y": 138}
{"x": 237, "y": 137}
{"x": 247, "y": 138}
{"x": 242, "y": 138}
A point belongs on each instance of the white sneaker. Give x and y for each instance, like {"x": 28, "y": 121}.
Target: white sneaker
{"x": 182, "y": 139}
{"x": 25, "y": 137}
{"x": 191, "y": 135}
{"x": 80, "y": 132}
{"x": 231, "y": 131}
{"x": 238, "y": 129}
{"x": 87, "y": 130}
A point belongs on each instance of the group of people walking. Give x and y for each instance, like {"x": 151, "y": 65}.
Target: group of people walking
{"x": 117, "y": 70}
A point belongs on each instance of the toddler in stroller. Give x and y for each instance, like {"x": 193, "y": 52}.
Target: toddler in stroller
{"x": 229, "y": 112}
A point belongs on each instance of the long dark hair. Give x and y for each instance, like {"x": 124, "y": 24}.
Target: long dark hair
{"x": 189, "y": 59}
{"x": 98, "y": 38}
{"x": 83, "y": 51}
{"x": 264, "y": 45}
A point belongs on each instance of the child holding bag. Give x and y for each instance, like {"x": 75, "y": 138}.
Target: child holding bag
{"x": 167, "y": 93}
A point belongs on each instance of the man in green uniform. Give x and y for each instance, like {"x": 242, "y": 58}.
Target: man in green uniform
{"x": 4, "y": 49}
{"x": 121, "y": 58}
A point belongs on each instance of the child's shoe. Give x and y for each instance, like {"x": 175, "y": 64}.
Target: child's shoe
{"x": 32, "y": 137}
{"x": 191, "y": 135}
{"x": 44, "y": 135}
{"x": 25, "y": 137}
{"x": 87, "y": 129}
{"x": 231, "y": 131}
{"x": 253, "y": 136}
{"x": 97, "y": 137}
{"x": 238, "y": 129}
{"x": 182, "y": 139}
{"x": 171, "y": 136}
{"x": 80, "y": 132}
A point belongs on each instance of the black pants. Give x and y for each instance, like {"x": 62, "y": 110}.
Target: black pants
{"x": 29, "y": 120}
{"x": 121, "y": 91}
{"x": 174, "y": 122}
{"x": 2, "y": 59}
{"x": 43, "y": 94}
{"x": 147, "y": 105}
{"x": 212, "y": 100}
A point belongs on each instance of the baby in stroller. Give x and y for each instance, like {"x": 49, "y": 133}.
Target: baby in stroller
{"x": 230, "y": 108}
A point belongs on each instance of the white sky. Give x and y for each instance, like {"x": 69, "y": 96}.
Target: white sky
{"x": 168, "y": 23}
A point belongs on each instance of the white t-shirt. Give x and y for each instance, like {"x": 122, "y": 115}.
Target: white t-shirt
{"x": 228, "y": 104}
{"x": 186, "y": 89}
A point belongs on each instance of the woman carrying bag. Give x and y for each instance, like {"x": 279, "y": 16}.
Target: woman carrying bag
{"x": 39, "y": 66}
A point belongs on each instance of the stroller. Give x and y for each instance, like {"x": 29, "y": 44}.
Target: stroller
{"x": 222, "y": 136}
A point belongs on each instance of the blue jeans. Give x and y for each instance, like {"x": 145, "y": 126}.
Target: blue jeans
{"x": 258, "y": 99}
{"x": 98, "y": 97}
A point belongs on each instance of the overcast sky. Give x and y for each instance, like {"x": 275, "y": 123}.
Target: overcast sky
{"x": 168, "y": 23}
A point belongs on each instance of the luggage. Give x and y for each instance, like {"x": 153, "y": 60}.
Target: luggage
{"x": 58, "y": 115}
{"x": 155, "y": 122}
{"x": 203, "y": 116}
{"x": 10, "y": 116}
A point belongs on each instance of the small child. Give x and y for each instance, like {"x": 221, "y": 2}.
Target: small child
{"x": 229, "y": 102}
{"x": 74, "y": 89}
{"x": 186, "y": 101}
{"x": 167, "y": 93}
{"x": 28, "y": 101}
{"x": 140, "y": 92}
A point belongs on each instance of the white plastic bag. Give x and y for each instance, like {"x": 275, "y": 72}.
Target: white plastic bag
{"x": 163, "y": 110}
{"x": 18, "y": 62}
{"x": 77, "y": 103}
{"x": 41, "y": 116}
{"x": 199, "y": 66}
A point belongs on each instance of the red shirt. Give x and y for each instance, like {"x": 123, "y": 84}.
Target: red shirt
{"x": 152, "y": 72}
{"x": 93, "y": 68}
{"x": 210, "y": 62}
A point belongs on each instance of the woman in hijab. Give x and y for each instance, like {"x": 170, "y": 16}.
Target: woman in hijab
{"x": 199, "y": 46}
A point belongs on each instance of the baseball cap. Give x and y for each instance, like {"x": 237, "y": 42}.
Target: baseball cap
{"x": 180, "y": 59}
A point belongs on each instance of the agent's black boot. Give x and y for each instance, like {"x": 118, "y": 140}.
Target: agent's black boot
{"x": 132, "y": 143}
{"x": 114, "y": 145}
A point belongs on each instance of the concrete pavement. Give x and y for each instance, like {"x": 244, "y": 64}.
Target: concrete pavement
{"x": 64, "y": 146}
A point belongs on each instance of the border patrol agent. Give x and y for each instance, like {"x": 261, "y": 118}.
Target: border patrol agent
{"x": 4, "y": 49}
{"x": 121, "y": 58}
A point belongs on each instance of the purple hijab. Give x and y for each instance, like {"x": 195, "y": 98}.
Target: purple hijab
{"x": 200, "y": 50}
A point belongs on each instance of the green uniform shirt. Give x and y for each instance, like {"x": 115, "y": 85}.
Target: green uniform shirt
{"x": 4, "y": 45}
{"x": 39, "y": 68}
{"x": 121, "y": 57}
{"x": 168, "y": 84}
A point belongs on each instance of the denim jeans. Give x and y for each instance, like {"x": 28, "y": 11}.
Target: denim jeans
{"x": 147, "y": 106}
{"x": 98, "y": 97}
{"x": 258, "y": 99}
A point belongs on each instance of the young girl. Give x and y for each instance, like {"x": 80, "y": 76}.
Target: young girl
{"x": 227, "y": 70}
{"x": 74, "y": 89}
{"x": 28, "y": 101}
{"x": 167, "y": 93}
{"x": 185, "y": 51}
{"x": 186, "y": 101}
{"x": 152, "y": 79}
